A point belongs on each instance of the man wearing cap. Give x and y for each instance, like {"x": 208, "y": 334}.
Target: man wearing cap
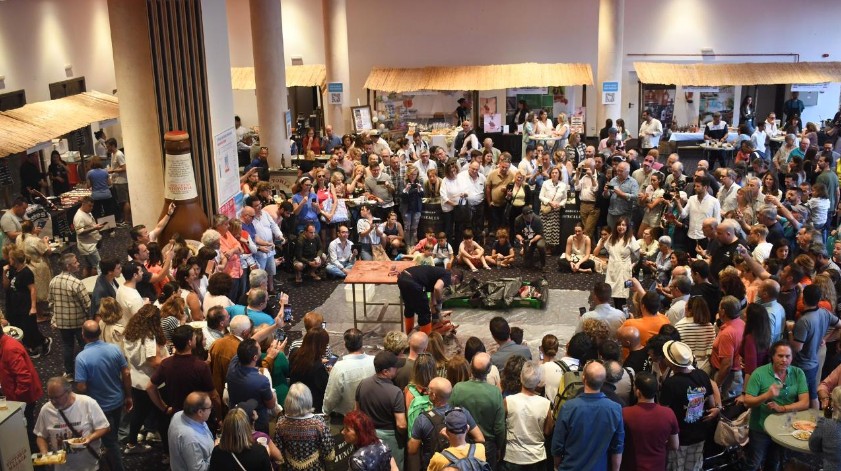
{"x": 379, "y": 145}
{"x": 422, "y": 438}
{"x": 384, "y": 403}
{"x": 484, "y": 401}
{"x": 695, "y": 402}
{"x": 456, "y": 425}
{"x": 414, "y": 283}
{"x": 346, "y": 375}
{"x": 774, "y": 388}
{"x": 589, "y": 433}
{"x": 529, "y": 230}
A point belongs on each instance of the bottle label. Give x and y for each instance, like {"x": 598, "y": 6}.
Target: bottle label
{"x": 180, "y": 180}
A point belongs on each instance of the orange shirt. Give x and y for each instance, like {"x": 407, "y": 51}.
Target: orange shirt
{"x": 229, "y": 242}
{"x": 648, "y": 326}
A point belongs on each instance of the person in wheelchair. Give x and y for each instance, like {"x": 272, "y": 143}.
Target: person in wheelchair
{"x": 308, "y": 254}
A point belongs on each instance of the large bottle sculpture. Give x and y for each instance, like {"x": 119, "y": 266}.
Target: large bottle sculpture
{"x": 189, "y": 218}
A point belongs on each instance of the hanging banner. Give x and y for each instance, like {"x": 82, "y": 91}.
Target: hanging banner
{"x": 227, "y": 172}
{"x": 809, "y": 87}
{"x": 336, "y": 92}
{"x": 610, "y": 92}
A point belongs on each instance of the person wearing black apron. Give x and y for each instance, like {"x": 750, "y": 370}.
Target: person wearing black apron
{"x": 414, "y": 284}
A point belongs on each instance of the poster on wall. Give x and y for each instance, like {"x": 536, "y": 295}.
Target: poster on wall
{"x": 227, "y": 172}
{"x": 336, "y": 92}
{"x": 561, "y": 102}
{"x": 659, "y": 100}
{"x": 362, "y": 118}
{"x": 722, "y": 102}
{"x": 492, "y": 122}
{"x": 610, "y": 90}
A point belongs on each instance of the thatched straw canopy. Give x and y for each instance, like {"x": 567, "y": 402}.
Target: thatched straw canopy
{"x": 32, "y": 124}
{"x": 314, "y": 75}
{"x": 479, "y": 77}
{"x": 753, "y": 73}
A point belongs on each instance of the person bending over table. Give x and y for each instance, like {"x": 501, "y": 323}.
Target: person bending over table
{"x": 775, "y": 388}
{"x": 414, "y": 284}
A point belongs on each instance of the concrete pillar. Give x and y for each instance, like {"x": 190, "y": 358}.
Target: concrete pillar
{"x": 138, "y": 113}
{"x": 337, "y": 60}
{"x": 611, "y": 34}
{"x": 270, "y": 76}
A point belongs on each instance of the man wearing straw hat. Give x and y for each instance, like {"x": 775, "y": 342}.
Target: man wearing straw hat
{"x": 695, "y": 402}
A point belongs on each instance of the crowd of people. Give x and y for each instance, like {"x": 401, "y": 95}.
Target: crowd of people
{"x": 719, "y": 291}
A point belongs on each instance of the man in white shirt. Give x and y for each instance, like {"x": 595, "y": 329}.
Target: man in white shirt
{"x": 67, "y": 415}
{"x": 117, "y": 170}
{"x": 528, "y": 167}
{"x": 379, "y": 145}
{"x": 758, "y": 139}
{"x": 586, "y": 182}
{"x": 727, "y": 194}
{"x": 771, "y": 125}
{"x": 472, "y": 182}
{"x": 340, "y": 395}
{"x": 370, "y": 234}
{"x": 87, "y": 237}
{"x": 424, "y": 165}
{"x": 603, "y": 310}
{"x": 267, "y": 232}
{"x": 417, "y": 146}
{"x": 340, "y": 254}
{"x": 128, "y": 298}
{"x": 239, "y": 128}
{"x": 471, "y": 142}
{"x": 650, "y": 132}
{"x": 699, "y": 207}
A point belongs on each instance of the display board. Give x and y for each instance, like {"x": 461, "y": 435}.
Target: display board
{"x": 722, "y": 101}
{"x": 659, "y": 100}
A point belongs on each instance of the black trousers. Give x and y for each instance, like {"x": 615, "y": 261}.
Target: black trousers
{"x": 414, "y": 299}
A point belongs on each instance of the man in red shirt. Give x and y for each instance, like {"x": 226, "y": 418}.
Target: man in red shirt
{"x": 650, "y": 429}
{"x": 20, "y": 380}
{"x": 725, "y": 358}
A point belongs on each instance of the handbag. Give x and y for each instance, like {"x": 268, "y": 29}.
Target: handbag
{"x": 462, "y": 213}
{"x": 547, "y": 208}
{"x": 731, "y": 432}
{"x": 102, "y": 459}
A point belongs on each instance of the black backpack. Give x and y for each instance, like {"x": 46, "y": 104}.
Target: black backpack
{"x": 439, "y": 442}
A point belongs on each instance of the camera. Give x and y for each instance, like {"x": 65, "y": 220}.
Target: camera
{"x": 280, "y": 335}
{"x": 287, "y": 313}
{"x": 668, "y": 196}
{"x": 610, "y": 188}
{"x": 540, "y": 168}
{"x": 629, "y": 283}
{"x": 581, "y": 311}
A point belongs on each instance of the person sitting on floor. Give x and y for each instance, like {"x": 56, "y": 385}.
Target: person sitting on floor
{"x": 470, "y": 253}
{"x": 309, "y": 253}
{"x": 502, "y": 253}
{"x": 442, "y": 251}
{"x": 425, "y": 258}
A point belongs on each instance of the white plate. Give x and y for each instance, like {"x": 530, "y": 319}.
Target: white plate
{"x": 13, "y": 332}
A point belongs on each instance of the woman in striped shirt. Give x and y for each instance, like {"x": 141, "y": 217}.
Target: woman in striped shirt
{"x": 697, "y": 331}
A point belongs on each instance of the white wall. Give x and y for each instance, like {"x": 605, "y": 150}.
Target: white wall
{"x": 728, "y": 27}
{"x": 39, "y": 37}
{"x": 303, "y": 36}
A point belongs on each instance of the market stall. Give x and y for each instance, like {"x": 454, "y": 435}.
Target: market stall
{"x": 409, "y": 100}
{"x": 662, "y": 84}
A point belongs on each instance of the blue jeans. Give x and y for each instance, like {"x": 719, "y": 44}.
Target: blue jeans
{"x": 334, "y": 270}
{"x": 812, "y": 382}
{"x": 266, "y": 262}
{"x": 110, "y": 442}
{"x": 410, "y": 225}
{"x": 762, "y": 448}
{"x": 67, "y": 338}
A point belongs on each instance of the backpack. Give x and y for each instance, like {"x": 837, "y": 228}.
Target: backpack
{"x": 468, "y": 463}
{"x": 570, "y": 383}
{"x": 439, "y": 442}
{"x": 418, "y": 406}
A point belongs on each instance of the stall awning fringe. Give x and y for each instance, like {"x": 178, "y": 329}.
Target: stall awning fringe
{"x": 750, "y": 73}
{"x": 313, "y": 75}
{"x": 30, "y": 125}
{"x": 478, "y": 77}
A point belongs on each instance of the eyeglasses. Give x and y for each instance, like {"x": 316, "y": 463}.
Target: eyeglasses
{"x": 58, "y": 398}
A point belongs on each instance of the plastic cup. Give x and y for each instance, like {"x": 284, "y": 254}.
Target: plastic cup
{"x": 3, "y": 404}
{"x": 263, "y": 441}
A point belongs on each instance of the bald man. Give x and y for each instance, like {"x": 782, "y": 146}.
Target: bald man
{"x": 629, "y": 338}
{"x": 589, "y": 433}
{"x": 190, "y": 440}
{"x": 417, "y": 345}
{"x": 769, "y": 291}
{"x": 422, "y": 437}
{"x": 484, "y": 401}
{"x": 728, "y": 240}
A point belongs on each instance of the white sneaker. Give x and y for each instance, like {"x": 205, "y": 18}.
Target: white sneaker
{"x": 153, "y": 437}
{"x": 139, "y": 448}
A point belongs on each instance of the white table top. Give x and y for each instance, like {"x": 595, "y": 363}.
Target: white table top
{"x": 728, "y": 149}
{"x": 780, "y": 432}
{"x": 697, "y": 136}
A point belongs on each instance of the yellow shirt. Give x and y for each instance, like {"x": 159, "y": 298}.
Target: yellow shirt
{"x": 439, "y": 461}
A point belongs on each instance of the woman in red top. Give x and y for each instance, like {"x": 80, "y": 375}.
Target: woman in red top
{"x": 756, "y": 340}
{"x": 311, "y": 142}
{"x": 231, "y": 248}
{"x": 828, "y": 299}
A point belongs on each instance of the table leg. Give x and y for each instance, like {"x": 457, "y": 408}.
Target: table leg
{"x": 364, "y": 301}
{"x": 353, "y": 288}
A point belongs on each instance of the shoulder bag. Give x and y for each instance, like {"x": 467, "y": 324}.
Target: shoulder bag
{"x": 102, "y": 459}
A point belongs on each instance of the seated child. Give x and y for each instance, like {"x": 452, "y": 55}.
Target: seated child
{"x": 470, "y": 253}
{"x": 442, "y": 252}
{"x": 502, "y": 253}
{"x": 429, "y": 239}
{"x": 425, "y": 258}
